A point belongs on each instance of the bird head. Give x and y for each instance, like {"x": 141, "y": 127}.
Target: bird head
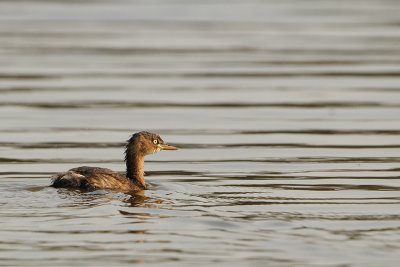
{"x": 146, "y": 143}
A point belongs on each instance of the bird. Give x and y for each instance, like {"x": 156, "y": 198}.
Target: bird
{"x": 138, "y": 146}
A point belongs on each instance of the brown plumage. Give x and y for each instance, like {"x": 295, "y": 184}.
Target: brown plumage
{"x": 92, "y": 178}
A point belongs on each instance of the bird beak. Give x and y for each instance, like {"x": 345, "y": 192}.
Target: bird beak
{"x": 167, "y": 147}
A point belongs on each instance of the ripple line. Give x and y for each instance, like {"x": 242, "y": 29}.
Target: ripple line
{"x": 120, "y": 104}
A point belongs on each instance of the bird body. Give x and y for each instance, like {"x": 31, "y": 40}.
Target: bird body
{"x": 92, "y": 178}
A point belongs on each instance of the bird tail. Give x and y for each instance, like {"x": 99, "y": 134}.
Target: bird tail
{"x": 68, "y": 179}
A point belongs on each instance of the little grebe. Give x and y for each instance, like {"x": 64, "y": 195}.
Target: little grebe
{"x": 92, "y": 178}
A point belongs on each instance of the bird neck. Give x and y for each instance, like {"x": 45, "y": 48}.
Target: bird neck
{"x": 135, "y": 168}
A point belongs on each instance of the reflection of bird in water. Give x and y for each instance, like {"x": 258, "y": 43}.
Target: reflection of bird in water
{"x": 91, "y": 178}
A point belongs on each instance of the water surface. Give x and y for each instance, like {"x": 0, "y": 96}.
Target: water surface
{"x": 286, "y": 113}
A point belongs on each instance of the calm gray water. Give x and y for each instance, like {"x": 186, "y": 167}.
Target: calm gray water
{"x": 286, "y": 113}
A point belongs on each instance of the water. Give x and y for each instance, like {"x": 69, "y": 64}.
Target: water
{"x": 286, "y": 113}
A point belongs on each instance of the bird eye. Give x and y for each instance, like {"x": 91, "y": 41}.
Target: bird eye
{"x": 155, "y": 142}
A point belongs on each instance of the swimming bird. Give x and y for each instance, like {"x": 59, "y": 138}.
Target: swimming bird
{"x": 91, "y": 178}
